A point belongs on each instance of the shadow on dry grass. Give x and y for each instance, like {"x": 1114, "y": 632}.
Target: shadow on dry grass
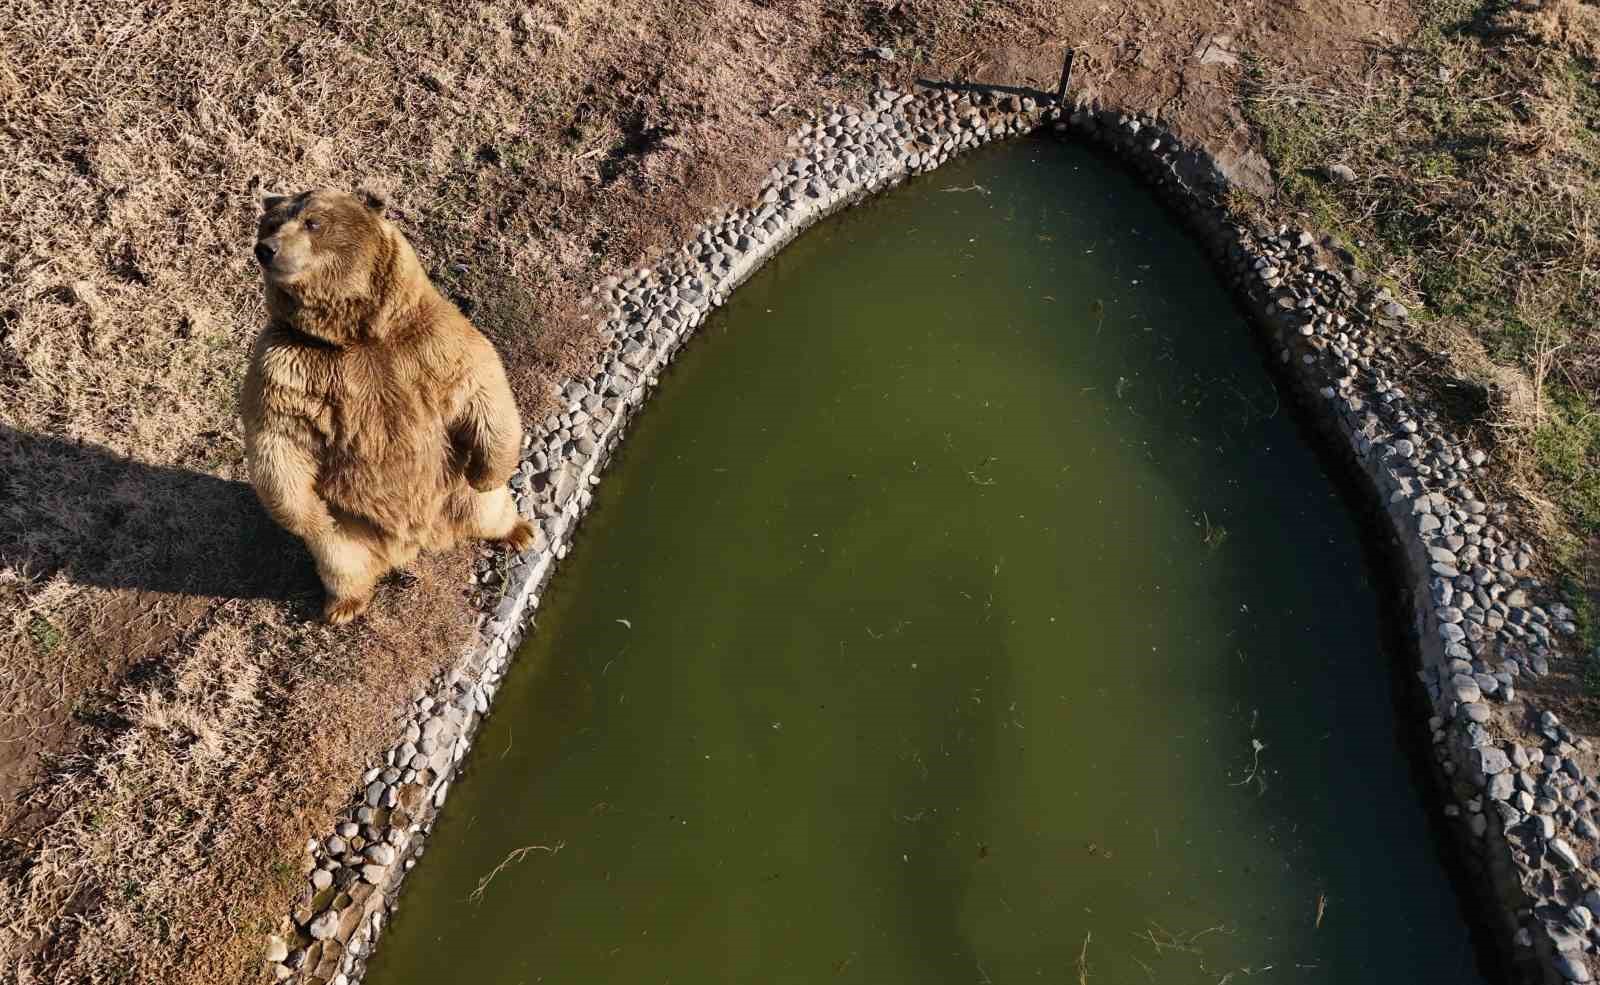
{"x": 94, "y": 517}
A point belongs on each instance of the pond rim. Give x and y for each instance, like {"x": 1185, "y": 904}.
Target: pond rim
{"x": 1187, "y": 180}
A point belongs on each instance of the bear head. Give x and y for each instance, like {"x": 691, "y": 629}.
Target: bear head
{"x": 333, "y": 266}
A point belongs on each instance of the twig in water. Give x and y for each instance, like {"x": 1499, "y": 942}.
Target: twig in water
{"x": 1257, "y": 745}
{"x": 973, "y": 473}
{"x": 1083, "y": 959}
{"x": 516, "y": 856}
{"x": 1147, "y": 971}
{"x": 1163, "y": 942}
{"x": 1163, "y": 939}
{"x": 1322, "y": 907}
{"x": 974, "y": 187}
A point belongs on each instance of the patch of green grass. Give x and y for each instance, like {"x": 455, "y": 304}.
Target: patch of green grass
{"x": 45, "y": 635}
{"x": 1582, "y": 615}
{"x": 521, "y": 156}
{"x": 284, "y": 873}
{"x": 1567, "y": 448}
{"x": 1577, "y": 599}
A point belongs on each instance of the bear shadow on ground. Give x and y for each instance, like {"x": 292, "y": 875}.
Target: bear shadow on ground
{"x": 99, "y": 518}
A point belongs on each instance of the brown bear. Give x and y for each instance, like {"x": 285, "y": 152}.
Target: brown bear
{"x": 377, "y": 419}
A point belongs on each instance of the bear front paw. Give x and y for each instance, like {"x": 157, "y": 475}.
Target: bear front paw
{"x": 340, "y": 611}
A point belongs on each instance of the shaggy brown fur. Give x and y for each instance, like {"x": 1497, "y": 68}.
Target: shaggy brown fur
{"x": 377, "y": 420}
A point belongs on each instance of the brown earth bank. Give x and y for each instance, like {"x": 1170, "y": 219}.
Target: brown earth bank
{"x": 175, "y": 722}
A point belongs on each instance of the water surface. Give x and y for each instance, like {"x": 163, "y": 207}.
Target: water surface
{"x": 965, "y": 607}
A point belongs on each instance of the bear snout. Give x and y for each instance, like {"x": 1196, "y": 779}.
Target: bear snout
{"x": 264, "y": 254}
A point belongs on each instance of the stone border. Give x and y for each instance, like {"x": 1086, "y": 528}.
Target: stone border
{"x": 1510, "y": 777}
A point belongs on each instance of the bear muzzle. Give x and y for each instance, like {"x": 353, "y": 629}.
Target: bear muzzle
{"x": 281, "y": 261}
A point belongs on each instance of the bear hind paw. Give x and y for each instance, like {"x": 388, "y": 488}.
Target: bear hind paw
{"x": 520, "y": 538}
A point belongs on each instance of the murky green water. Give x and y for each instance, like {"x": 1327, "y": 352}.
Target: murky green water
{"x": 922, "y": 633}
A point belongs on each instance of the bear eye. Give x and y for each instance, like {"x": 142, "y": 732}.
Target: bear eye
{"x": 311, "y": 225}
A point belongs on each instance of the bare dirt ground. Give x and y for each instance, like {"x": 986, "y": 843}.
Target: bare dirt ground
{"x": 174, "y": 724}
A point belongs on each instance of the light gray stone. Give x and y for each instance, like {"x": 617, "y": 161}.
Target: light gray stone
{"x": 1564, "y": 853}
{"x": 324, "y": 926}
{"x": 1579, "y": 917}
{"x": 1492, "y": 760}
{"x": 1572, "y": 968}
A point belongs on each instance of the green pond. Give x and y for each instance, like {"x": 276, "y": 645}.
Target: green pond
{"x": 966, "y": 608}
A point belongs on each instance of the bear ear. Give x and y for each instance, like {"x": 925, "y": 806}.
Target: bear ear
{"x": 270, "y": 201}
{"x": 374, "y": 200}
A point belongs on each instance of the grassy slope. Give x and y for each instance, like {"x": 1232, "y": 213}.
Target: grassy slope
{"x": 1476, "y": 192}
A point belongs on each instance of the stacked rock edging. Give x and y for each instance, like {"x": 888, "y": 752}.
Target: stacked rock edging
{"x": 1519, "y": 794}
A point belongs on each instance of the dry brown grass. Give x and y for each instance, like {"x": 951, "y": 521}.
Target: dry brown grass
{"x": 170, "y": 839}
{"x": 155, "y": 653}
